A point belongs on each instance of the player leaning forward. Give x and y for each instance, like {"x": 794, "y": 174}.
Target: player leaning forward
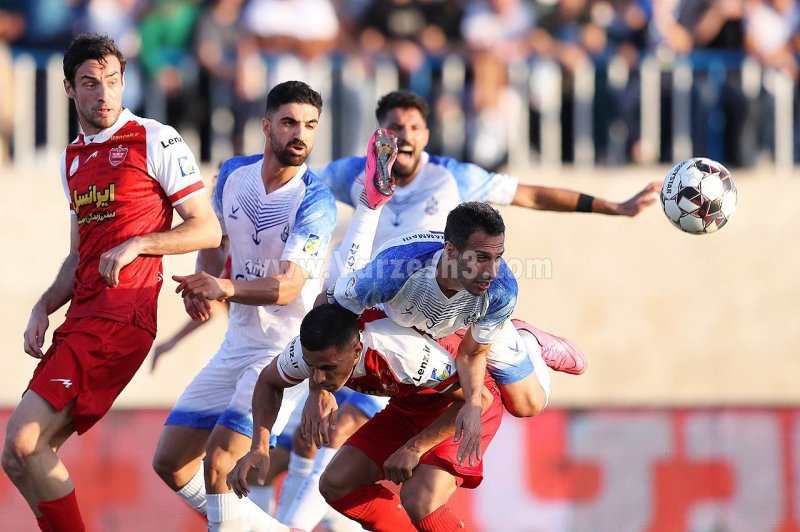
{"x": 277, "y": 220}
{"x": 123, "y": 176}
{"x": 413, "y": 434}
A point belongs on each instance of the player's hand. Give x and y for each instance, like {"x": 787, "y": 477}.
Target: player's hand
{"x": 468, "y": 431}
{"x": 318, "y": 421}
{"x": 400, "y": 465}
{"x": 203, "y": 286}
{"x": 34, "y": 332}
{"x": 646, "y": 197}
{"x": 198, "y": 308}
{"x": 116, "y": 258}
{"x": 237, "y": 479}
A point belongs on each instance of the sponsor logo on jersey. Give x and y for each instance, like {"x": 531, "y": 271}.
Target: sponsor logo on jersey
{"x": 174, "y": 140}
{"x": 117, "y": 155}
{"x": 313, "y": 243}
{"x": 441, "y": 374}
{"x": 99, "y": 198}
{"x": 426, "y": 356}
{"x": 123, "y": 137}
{"x": 186, "y": 166}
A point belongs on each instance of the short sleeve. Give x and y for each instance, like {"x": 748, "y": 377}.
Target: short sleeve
{"x": 291, "y": 366}
{"x": 172, "y": 163}
{"x": 315, "y": 222}
{"x": 502, "y": 300}
{"x": 476, "y": 184}
{"x": 225, "y": 171}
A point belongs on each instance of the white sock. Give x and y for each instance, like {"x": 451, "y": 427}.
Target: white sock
{"x": 356, "y": 247}
{"x": 194, "y": 492}
{"x": 336, "y": 522}
{"x": 226, "y": 513}
{"x": 309, "y": 506}
{"x": 539, "y": 366}
{"x": 299, "y": 468}
{"x": 263, "y": 497}
{"x": 258, "y": 521}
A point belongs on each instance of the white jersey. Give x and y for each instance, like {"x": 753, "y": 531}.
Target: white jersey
{"x": 401, "y": 280}
{"x": 442, "y": 184}
{"x": 394, "y": 361}
{"x": 293, "y": 223}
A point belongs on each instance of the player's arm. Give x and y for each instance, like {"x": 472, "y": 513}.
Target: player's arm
{"x": 400, "y": 465}
{"x": 200, "y": 229}
{"x": 279, "y": 289}
{"x": 471, "y": 368}
{"x": 58, "y": 294}
{"x": 563, "y": 200}
{"x": 267, "y": 399}
{"x": 209, "y": 266}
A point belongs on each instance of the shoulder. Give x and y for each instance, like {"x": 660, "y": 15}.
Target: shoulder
{"x": 234, "y": 163}
{"x": 417, "y": 244}
{"x": 316, "y": 189}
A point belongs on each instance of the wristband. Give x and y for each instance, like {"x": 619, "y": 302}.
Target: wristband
{"x": 584, "y": 203}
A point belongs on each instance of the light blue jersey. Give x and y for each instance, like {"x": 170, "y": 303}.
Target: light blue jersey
{"x": 401, "y": 280}
{"x": 442, "y": 184}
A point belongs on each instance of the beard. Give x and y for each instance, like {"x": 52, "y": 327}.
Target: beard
{"x": 288, "y": 157}
{"x": 404, "y": 172}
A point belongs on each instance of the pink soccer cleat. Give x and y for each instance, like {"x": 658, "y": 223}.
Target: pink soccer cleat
{"x": 378, "y": 180}
{"x": 558, "y": 353}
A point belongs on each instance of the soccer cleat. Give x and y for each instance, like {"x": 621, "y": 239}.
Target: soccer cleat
{"x": 378, "y": 180}
{"x": 558, "y": 353}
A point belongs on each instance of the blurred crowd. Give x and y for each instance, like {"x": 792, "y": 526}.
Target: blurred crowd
{"x": 188, "y": 58}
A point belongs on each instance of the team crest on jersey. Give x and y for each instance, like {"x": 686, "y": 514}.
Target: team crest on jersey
{"x": 313, "y": 243}
{"x": 285, "y": 233}
{"x": 117, "y": 155}
{"x": 432, "y": 206}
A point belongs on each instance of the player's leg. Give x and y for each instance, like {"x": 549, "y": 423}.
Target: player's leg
{"x": 425, "y": 497}
{"x": 309, "y": 506}
{"x": 264, "y": 496}
{"x": 178, "y": 459}
{"x": 356, "y": 246}
{"x": 34, "y": 432}
{"x": 299, "y": 465}
{"x": 349, "y": 483}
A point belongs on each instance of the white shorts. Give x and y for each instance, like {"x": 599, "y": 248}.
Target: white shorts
{"x": 508, "y": 360}
{"x": 222, "y": 394}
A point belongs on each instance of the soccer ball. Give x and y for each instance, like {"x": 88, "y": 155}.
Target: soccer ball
{"x": 698, "y": 196}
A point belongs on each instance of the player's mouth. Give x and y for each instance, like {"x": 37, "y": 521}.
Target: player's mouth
{"x": 405, "y": 155}
{"x": 298, "y": 148}
{"x": 483, "y": 285}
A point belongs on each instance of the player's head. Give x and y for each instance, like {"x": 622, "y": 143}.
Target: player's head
{"x": 331, "y": 343}
{"x": 474, "y": 243}
{"x": 406, "y": 114}
{"x": 93, "y": 79}
{"x": 290, "y": 123}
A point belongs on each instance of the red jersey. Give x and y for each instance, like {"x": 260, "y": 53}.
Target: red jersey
{"x": 395, "y": 361}
{"x": 121, "y": 183}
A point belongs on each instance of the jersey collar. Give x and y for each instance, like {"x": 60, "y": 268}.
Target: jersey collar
{"x": 124, "y": 117}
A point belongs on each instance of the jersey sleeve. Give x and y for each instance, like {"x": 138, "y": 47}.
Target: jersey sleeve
{"x": 225, "y": 171}
{"x": 502, "y": 300}
{"x": 314, "y": 224}
{"x": 476, "y": 184}
{"x": 383, "y": 277}
{"x": 172, "y": 163}
{"x": 339, "y": 176}
{"x": 291, "y": 366}
{"x": 62, "y": 166}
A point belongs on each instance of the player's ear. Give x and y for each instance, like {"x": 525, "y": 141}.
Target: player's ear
{"x": 69, "y": 89}
{"x": 450, "y": 251}
{"x": 357, "y": 348}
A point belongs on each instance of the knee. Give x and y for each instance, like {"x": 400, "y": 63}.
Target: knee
{"x": 417, "y": 502}
{"x": 18, "y": 447}
{"x": 333, "y": 485}
{"x": 527, "y": 402}
{"x": 525, "y": 408}
{"x": 165, "y": 466}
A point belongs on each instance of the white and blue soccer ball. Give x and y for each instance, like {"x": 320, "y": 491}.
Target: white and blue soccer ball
{"x": 698, "y": 196}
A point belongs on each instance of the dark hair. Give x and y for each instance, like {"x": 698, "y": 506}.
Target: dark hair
{"x": 292, "y": 92}
{"x": 402, "y": 99}
{"x": 89, "y": 46}
{"x": 470, "y": 217}
{"x": 328, "y": 325}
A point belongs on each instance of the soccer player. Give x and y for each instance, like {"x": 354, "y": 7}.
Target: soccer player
{"x": 123, "y": 176}
{"x": 414, "y": 433}
{"x": 277, "y": 219}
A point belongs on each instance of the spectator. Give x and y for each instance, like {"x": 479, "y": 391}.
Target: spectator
{"x": 497, "y": 33}
{"x": 167, "y": 60}
{"x": 12, "y": 27}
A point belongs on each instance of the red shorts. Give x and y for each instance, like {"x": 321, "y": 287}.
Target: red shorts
{"x": 405, "y": 417}
{"x": 90, "y": 360}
